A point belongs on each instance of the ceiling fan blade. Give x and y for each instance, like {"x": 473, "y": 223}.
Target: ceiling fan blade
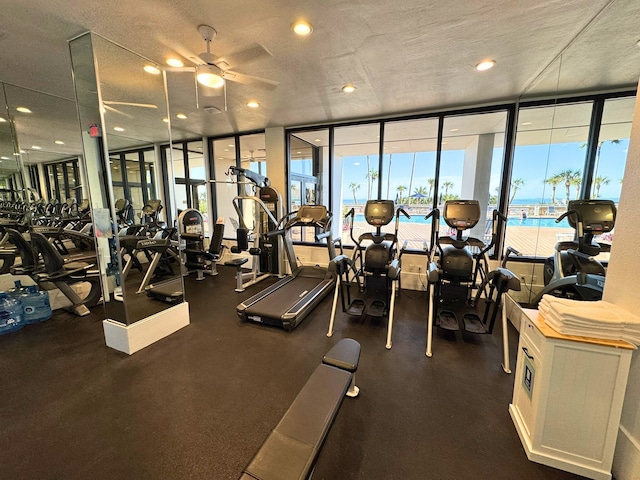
{"x": 251, "y": 80}
{"x": 130, "y": 104}
{"x": 115, "y": 110}
{"x": 244, "y": 56}
{"x": 180, "y": 69}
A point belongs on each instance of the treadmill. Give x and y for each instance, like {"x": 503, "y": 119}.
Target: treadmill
{"x": 287, "y": 302}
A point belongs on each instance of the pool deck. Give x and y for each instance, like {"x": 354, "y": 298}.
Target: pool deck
{"x": 528, "y": 240}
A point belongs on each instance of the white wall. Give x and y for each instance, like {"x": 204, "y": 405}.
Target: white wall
{"x": 621, "y": 289}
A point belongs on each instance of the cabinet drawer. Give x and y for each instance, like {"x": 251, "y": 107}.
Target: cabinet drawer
{"x": 532, "y": 334}
{"x": 526, "y": 387}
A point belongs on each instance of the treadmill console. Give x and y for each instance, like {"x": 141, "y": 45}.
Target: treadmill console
{"x": 311, "y": 214}
{"x": 461, "y": 214}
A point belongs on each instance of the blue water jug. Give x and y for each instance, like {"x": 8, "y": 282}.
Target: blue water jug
{"x": 11, "y": 314}
{"x": 35, "y": 305}
{"x": 17, "y": 290}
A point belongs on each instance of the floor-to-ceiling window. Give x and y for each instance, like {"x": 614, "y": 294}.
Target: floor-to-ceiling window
{"x": 63, "y": 180}
{"x": 133, "y": 177}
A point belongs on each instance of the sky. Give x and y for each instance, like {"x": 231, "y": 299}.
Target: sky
{"x": 531, "y": 163}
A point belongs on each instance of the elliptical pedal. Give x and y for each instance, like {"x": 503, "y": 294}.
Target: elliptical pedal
{"x": 472, "y": 324}
{"x": 356, "y": 308}
{"x": 377, "y": 308}
{"x": 447, "y": 320}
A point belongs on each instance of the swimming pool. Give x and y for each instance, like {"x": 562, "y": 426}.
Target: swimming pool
{"x": 513, "y": 221}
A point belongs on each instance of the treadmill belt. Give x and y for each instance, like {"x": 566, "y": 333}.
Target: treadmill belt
{"x": 284, "y": 298}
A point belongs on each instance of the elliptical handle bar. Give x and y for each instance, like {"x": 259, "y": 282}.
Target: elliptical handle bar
{"x": 401, "y": 210}
{"x": 350, "y": 213}
{"x": 566, "y": 214}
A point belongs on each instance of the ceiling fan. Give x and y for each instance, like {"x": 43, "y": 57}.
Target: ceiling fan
{"x": 213, "y": 72}
{"x": 251, "y": 158}
{"x": 108, "y": 106}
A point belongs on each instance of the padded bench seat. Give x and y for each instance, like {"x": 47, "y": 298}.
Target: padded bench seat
{"x": 291, "y": 449}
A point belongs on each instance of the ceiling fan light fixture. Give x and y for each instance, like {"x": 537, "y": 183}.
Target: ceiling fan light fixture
{"x": 58, "y": 142}
{"x": 349, "y": 88}
{"x": 302, "y": 28}
{"x": 23, "y": 110}
{"x": 181, "y": 116}
{"x": 118, "y": 129}
{"x": 175, "y": 62}
{"x": 485, "y": 65}
{"x": 208, "y": 76}
{"x": 152, "y": 69}
{"x": 252, "y": 104}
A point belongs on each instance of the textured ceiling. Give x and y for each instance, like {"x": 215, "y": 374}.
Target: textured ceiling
{"x": 404, "y": 56}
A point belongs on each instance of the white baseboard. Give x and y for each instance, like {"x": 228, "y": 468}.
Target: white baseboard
{"x": 626, "y": 461}
{"x": 132, "y": 338}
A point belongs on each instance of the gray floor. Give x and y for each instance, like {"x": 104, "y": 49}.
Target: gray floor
{"x": 199, "y": 403}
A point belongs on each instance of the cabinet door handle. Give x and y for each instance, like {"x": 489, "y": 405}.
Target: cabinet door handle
{"x": 526, "y": 352}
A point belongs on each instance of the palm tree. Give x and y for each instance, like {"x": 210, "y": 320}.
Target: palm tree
{"x": 418, "y": 192}
{"x": 553, "y": 181}
{"x": 389, "y": 175}
{"x": 354, "y": 187}
{"x": 567, "y": 177}
{"x": 515, "y": 185}
{"x": 614, "y": 141}
{"x": 598, "y": 182}
{"x": 431, "y": 182}
{"x": 372, "y": 176}
{"x": 447, "y": 185}
{"x": 401, "y": 189}
{"x": 577, "y": 181}
{"x": 413, "y": 166}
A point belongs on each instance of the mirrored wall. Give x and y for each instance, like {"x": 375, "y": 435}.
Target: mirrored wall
{"x": 123, "y": 113}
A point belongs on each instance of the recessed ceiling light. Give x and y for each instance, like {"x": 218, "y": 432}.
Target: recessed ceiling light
{"x": 181, "y": 116}
{"x": 4, "y": 158}
{"x": 226, "y": 149}
{"x": 318, "y": 140}
{"x": 527, "y": 123}
{"x": 302, "y": 28}
{"x": 58, "y": 142}
{"x": 23, "y": 110}
{"x": 348, "y": 88}
{"x": 36, "y": 147}
{"x": 298, "y": 152}
{"x": 118, "y": 129}
{"x": 22, "y": 151}
{"x": 454, "y": 129}
{"x": 2, "y": 119}
{"x": 252, "y": 104}
{"x": 175, "y": 62}
{"x": 17, "y": 154}
{"x": 152, "y": 69}
{"x": 231, "y": 145}
{"x": 165, "y": 119}
{"x": 445, "y": 143}
{"x": 485, "y": 65}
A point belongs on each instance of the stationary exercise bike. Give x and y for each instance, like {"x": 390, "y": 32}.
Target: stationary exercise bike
{"x": 375, "y": 268}
{"x": 460, "y": 281}
{"x": 573, "y": 272}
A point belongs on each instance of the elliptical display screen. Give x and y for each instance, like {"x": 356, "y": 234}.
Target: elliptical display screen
{"x": 461, "y": 214}
{"x": 597, "y": 216}
{"x": 379, "y": 212}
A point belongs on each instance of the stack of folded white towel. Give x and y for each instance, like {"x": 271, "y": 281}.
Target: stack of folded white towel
{"x": 590, "y": 319}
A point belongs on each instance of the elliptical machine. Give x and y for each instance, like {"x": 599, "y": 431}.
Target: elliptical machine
{"x": 376, "y": 268}
{"x": 573, "y": 271}
{"x": 461, "y": 277}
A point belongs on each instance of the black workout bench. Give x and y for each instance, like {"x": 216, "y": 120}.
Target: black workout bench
{"x": 291, "y": 449}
